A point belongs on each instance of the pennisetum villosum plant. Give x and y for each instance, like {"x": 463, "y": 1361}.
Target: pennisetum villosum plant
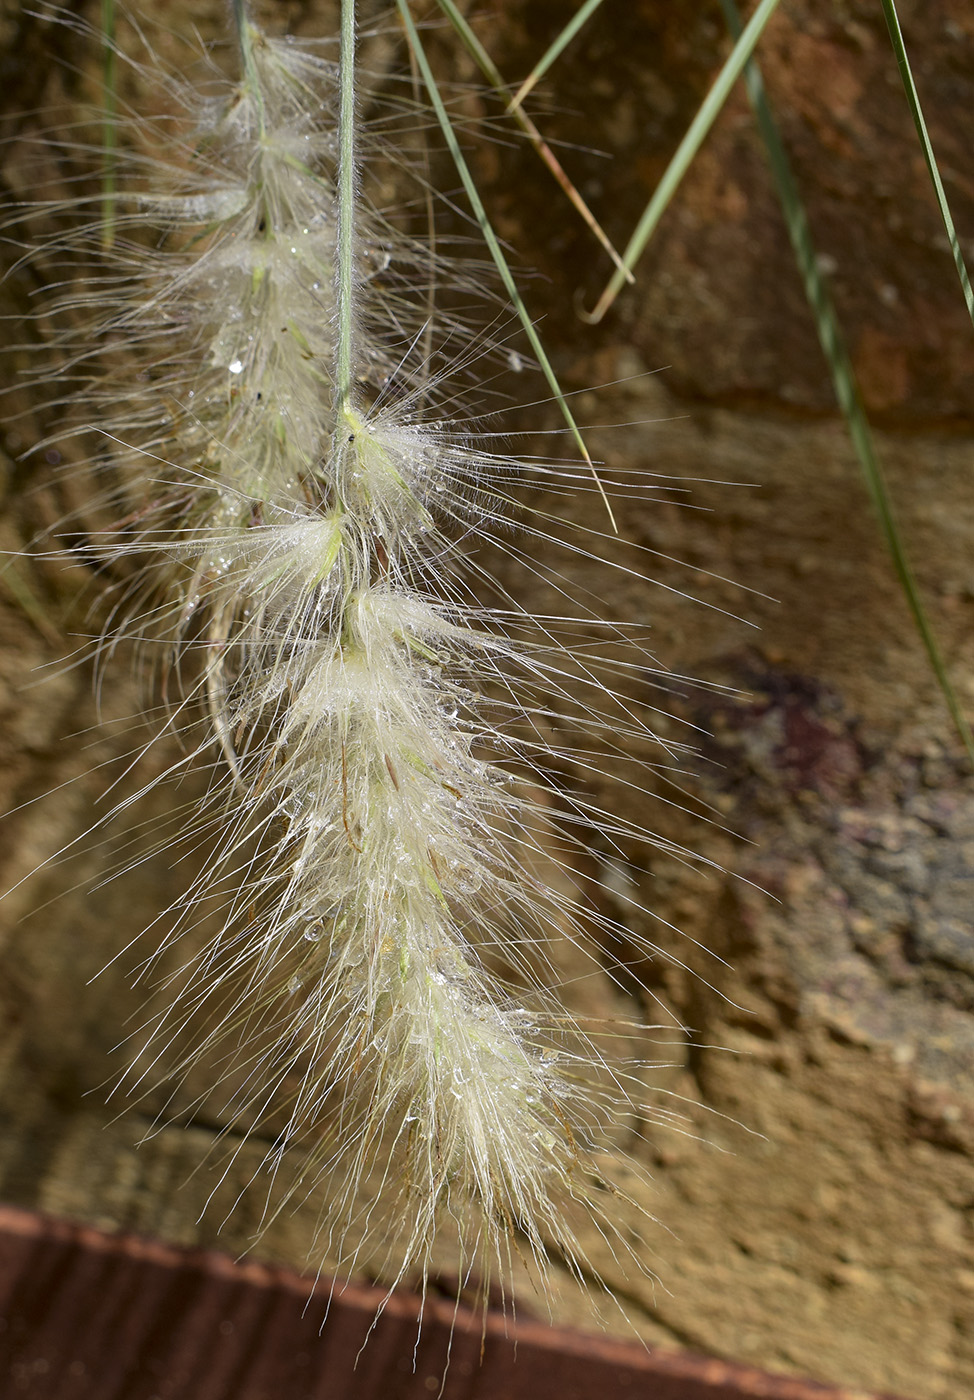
{"x": 275, "y": 392}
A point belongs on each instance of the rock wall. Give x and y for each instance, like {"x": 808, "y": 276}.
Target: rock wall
{"x": 819, "y": 1212}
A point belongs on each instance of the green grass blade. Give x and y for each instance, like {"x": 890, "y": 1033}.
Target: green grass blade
{"x": 686, "y": 151}
{"x": 473, "y": 46}
{"x": 493, "y": 242}
{"x": 553, "y": 50}
{"x": 843, "y": 376}
{"x": 493, "y": 75}
{"x": 906, "y": 73}
{"x": 109, "y": 124}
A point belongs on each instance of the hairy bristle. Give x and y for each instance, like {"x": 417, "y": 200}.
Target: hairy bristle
{"x": 257, "y": 344}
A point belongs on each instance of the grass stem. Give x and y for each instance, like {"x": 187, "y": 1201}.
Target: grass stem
{"x": 494, "y": 244}
{"x": 553, "y": 50}
{"x": 109, "y": 125}
{"x": 245, "y": 39}
{"x": 345, "y": 271}
{"x": 843, "y": 375}
{"x": 685, "y": 153}
{"x": 493, "y": 75}
{"x": 913, "y": 98}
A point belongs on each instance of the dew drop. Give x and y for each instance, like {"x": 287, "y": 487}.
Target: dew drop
{"x": 235, "y": 366}
{"x": 468, "y": 880}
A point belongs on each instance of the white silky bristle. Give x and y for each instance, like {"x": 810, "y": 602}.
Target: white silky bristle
{"x": 384, "y": 738}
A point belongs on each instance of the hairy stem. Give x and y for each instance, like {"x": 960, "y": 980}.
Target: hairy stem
{"x": 346, "y": 205}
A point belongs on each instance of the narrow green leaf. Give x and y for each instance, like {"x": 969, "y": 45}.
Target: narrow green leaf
{"x": 686, "y": 151}
{"x": 899, "y": 48}
{"x": 473, "y": 46}
{"x": 553, "y": 50}
{"x": 493, "y": 242}
{"x": 492, "y": 73}
{"x": 843, "y": 375}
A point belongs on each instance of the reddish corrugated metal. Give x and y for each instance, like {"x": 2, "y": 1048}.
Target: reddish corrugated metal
{"x": 90, "y": 1316}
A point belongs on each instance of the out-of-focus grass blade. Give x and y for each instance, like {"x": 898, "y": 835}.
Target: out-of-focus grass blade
{"x": 686, "y": 151}
{"x": 899, "y": 48}
{"x": 493, "y": 242}
{"x": 15, "y": 585}
{"x": 843, "y": 376}
{"x": 493, "y": 75}
{"x": 109, "y": 124}
{"x": 553, "y": 50}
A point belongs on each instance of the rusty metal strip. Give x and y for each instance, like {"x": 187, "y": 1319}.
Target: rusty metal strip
{"x": 90, "y": 1316}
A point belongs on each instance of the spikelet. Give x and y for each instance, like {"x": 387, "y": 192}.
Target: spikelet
{"x": 249, "y": 349}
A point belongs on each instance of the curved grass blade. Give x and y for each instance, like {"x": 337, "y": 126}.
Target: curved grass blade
{"x": 493, "y": 243}
{"x": 493, "y": 75}
{"x": 686, "y": 151}
{"x": 843, "y": 375}
{"x": 553, "y": 50}
{"x": 906, "y": 73}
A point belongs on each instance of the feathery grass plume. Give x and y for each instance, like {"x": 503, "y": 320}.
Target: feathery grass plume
{"x": 382, "y": 986}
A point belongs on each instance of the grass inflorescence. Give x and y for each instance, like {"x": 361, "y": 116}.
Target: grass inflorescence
{"x": 295, "y": 498}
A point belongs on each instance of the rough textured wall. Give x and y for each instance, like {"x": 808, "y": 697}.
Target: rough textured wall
{"x": 835, "y": 964}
